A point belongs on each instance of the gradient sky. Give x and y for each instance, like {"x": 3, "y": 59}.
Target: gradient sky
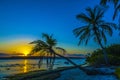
{"x": 22, "y": 21}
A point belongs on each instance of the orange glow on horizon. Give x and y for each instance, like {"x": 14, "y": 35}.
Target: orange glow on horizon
{"x": 17, "y": 47}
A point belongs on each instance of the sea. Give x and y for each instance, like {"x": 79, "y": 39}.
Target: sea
{"x": 15, "y": 66}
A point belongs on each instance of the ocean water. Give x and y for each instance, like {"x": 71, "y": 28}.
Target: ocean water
{"x": 15, "y": 66}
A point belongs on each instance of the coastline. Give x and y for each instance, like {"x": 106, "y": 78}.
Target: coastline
{"x": 39, "y": 74}
{"x": 60, "y": 73}
{"x": 36, "y": 57}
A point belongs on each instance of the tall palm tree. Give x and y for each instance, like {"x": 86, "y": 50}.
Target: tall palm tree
{"x": 116, "y": 4}
{"x": 95, "y": 28}
{"x": 47, "y": 47}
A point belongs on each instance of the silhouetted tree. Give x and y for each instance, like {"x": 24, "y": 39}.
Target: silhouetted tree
{"x": 47, "y": 47}
{"x": 95, "y": 28}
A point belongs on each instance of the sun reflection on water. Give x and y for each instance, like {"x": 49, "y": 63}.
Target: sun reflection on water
{"x": 25, "y": 66}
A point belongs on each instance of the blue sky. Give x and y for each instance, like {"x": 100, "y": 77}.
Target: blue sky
{"x": 27, "y": 19}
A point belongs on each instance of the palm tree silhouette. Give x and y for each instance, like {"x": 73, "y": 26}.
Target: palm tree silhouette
{"x": 116, "y": 4}
{"x": 47, "y": 47}
{"x": 95, "y": 28}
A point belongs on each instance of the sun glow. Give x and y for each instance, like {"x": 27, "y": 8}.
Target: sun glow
{"x": 26, "y": 52}
{"x": 18, "y": 46}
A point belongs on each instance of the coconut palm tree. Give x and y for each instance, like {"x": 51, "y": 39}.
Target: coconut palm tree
{"x": 95, "y": 28}
{"x": 47, "y": 47}
{"x": 116, "y": 4}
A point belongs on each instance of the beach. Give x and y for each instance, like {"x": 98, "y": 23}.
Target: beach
{"x": 61, "y": 71}
{"x": 18, "y": 66}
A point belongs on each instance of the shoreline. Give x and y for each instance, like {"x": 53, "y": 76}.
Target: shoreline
{"x": 36, "y": 57}
{"x": 39, "y": 74}
{"x": 55, "y": 74}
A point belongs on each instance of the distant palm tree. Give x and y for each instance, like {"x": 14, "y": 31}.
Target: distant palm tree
{"x": 47, "y": 47}
{"x": 116, "y": 4}
{"x": 95, "y": 28}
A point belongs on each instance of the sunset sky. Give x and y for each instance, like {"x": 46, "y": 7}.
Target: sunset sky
{"x": 22, "y": 21}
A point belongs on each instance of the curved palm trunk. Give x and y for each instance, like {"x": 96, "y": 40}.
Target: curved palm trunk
{"x": 78, "y": 66}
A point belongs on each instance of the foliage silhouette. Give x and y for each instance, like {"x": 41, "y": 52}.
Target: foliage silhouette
{"x": 95, "y": 28}
{"x": 47, "y": 47}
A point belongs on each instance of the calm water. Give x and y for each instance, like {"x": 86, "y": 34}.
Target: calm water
{"x": 15, "y": 66}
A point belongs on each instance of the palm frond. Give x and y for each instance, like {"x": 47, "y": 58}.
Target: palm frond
{"x": 61, "y": 50}
{"x": 85, "y": 36}
{"x": 88, "y": 38}
{"x": 103, "y": 2}
{"x": 107, "y": 29}
{"x": 46, "y": 36}
{"x": 49, "y": 39}
{"x": 115, "y": 2}
{"x": 78, "y": 31}
{"x": 40, "y": 42}
{"x": 83, "y": 17}
{"x": 99, "y": 15}
{"x": 95, "y": 39}
{"x": 90, "y": 12}
{"x": 117, "y": 10}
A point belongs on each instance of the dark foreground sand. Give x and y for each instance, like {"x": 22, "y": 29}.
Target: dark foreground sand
{"x": 65, "y": 73}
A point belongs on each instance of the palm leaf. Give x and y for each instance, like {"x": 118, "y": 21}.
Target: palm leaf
{"x": 117, "y": 10}
{"x": 83, "y": 17}
{"x": 104, "y": 2}
{"x": 78, "y": 31}
{"x": 61, "y": 50}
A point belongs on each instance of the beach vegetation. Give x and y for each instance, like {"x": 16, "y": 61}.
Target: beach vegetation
{"x": 117, "y": 72}
{"x": 97, "y": 58}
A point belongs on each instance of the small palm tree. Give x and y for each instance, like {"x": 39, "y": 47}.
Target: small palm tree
{"x": 47, "y": 48}
{"x": 95, "y": 28}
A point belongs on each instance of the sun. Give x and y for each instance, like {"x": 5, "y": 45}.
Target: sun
{"x": 26, "y": 52}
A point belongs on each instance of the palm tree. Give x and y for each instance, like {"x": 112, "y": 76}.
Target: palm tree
{"x": 116, "y": 4}
{"x": 47, "y": 47}
{"x": 95, "y": 28}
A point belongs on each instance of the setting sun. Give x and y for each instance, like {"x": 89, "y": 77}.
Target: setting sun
{"x": 17, "y": 47}
{"x": 26, "y": 52}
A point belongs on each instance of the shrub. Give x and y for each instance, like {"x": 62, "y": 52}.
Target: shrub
{"x": 117, "y": 72}
{"x": 97, "y": 57}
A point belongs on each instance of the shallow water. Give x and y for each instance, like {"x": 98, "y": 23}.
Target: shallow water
{"x": 15, "y": 66}
{"x": 77, "y": 74}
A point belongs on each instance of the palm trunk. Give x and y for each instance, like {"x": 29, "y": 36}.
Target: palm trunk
{"x": 103, "y": 50}
{"x": 78, "y": 66}
{"x": 104, "y": 53}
